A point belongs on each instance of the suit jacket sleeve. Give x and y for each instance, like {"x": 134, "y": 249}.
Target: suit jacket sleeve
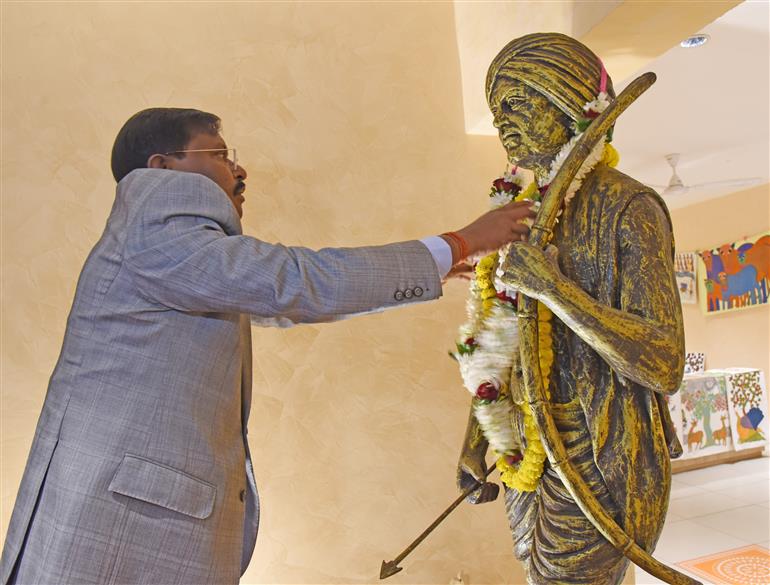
{"x": 184, "y": 250}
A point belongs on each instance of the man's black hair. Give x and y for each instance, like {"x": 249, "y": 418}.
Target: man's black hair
{"x": 157, "y": 131}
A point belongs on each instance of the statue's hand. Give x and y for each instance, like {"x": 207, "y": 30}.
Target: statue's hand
{"x": 470, "y": 473}
{"x": 531, "y": 270}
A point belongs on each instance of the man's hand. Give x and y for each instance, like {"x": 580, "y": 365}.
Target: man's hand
{"x": 491, "y": 231}
{"x": 531, "y": 270}
{"x": 460, "y": 271}
{"x": 498, "y": 227}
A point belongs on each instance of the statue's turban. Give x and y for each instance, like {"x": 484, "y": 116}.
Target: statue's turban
{"x": 564, "y": 70}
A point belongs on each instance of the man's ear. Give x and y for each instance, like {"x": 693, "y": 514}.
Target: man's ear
{"x": 157, "y": 161}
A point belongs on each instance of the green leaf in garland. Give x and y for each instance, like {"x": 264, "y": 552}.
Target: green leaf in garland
{"x": 465, "y": 349}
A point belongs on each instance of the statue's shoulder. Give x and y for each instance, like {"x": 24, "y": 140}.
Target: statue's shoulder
{"x": 618, "y": 190}
{"x": 618, "y": 181}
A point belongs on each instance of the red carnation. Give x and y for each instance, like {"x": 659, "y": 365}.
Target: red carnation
{"x": 503, "y": 185}
{"x": 590, "y": 114}
{"x": 487, "y": 391}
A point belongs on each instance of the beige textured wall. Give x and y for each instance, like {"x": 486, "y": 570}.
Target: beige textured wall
{"x": 349, "y": 119}
{"x": 480, "y": 37}
{"x": 738, "y": 338}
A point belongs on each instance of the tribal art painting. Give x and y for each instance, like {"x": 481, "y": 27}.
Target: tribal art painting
{"x": 734, "y": 276}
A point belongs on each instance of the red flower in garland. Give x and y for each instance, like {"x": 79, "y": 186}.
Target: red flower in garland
{"x": 487, "y": 391}
{"x": 503, "y": 185}
{"x": 505, "y": 298}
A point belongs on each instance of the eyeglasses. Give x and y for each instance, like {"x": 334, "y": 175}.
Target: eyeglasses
{"x": 232, "y": 160}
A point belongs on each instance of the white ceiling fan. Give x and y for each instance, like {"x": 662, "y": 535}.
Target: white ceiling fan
{"x": 677, "y": 187}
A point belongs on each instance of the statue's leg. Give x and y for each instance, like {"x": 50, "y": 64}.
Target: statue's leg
{"x": 552, "y": 538}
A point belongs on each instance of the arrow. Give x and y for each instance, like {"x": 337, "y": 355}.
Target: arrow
{"x": 390, "y": 568}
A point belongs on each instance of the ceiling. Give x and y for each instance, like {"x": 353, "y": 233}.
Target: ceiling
{"x": 711, "y": 104}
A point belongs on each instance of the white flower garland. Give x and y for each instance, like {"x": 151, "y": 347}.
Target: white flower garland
{"x": 491, "y": 363}
{"x": 490, "y": 337}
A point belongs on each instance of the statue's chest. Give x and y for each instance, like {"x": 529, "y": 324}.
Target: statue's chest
{"x": 577, "y": 239}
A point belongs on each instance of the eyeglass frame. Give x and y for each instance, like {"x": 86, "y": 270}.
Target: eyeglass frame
{"x": 233, "y": 162}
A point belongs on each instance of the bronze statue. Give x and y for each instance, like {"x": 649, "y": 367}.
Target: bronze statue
{"x": 615, "y": 332}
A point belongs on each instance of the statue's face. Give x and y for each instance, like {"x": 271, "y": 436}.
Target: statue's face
{"x": 531, "y": 128}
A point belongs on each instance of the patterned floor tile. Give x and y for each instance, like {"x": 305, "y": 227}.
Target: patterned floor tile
{"x": 744, "y": 566}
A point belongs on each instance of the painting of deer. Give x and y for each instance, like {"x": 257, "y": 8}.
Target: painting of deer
{"x": 694, "y": 437}
{"x": 720, "y": 435}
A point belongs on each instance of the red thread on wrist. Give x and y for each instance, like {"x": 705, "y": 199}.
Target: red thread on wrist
{"x": 461, "y": 244}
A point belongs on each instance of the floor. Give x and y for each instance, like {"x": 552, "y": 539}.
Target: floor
{"x": 713, "y": 510}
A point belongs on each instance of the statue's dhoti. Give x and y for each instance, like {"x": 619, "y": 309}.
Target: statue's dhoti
{"x": 554, "y": 541}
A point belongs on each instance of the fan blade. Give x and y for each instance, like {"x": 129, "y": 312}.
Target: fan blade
{"x": 729, "y": 183}
{"x": 676, "y": 189}
{"x": 669, "y": 189}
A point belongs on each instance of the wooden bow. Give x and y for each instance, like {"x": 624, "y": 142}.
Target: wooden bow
{"x": 534, "y": 389}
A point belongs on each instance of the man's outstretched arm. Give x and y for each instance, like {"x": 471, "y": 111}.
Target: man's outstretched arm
{"x": 184, "y": 252}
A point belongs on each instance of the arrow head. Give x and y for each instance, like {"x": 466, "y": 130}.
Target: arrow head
{"x": 388, "y": 569}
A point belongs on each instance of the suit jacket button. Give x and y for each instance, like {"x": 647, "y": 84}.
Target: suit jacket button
{"x": 399, "y": 296}
{"x": 408, "y": 293}
{"x": 242, "y": 495}
{"x": 418, "y": 291}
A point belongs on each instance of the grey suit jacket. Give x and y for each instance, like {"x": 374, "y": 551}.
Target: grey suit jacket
{"x": 139, "y": 470}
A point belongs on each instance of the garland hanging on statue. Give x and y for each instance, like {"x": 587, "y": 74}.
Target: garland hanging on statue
{"x": 489, "y": 339}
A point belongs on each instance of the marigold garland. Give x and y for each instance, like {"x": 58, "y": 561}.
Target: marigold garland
{"x": 485, "y": 272}
{"x": 490, "y": 338}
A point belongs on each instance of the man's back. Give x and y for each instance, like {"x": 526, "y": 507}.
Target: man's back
{"x": 148, "y": 404}
{"x": 139, "y": 471}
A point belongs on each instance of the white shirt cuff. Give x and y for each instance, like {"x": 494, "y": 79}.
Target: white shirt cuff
{"x": 441, "y": 252}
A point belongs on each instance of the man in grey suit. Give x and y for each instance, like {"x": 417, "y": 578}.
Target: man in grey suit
{"x": 139, "y": 470}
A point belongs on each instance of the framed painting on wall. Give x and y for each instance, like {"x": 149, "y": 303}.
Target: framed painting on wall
{"x": 735, "y": 275}
{"x": 694, "y": 362}
{"x": 685, "y": 265}
{"x": 701, "y": 416}
{"x": 747, "y": 403}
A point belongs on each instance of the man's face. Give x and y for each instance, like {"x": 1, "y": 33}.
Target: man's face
{"x": 214, "y": 165}
{"x": 529, "y": 125}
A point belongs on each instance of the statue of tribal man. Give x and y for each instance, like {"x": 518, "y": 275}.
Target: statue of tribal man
{"x": 617, "y": 337}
